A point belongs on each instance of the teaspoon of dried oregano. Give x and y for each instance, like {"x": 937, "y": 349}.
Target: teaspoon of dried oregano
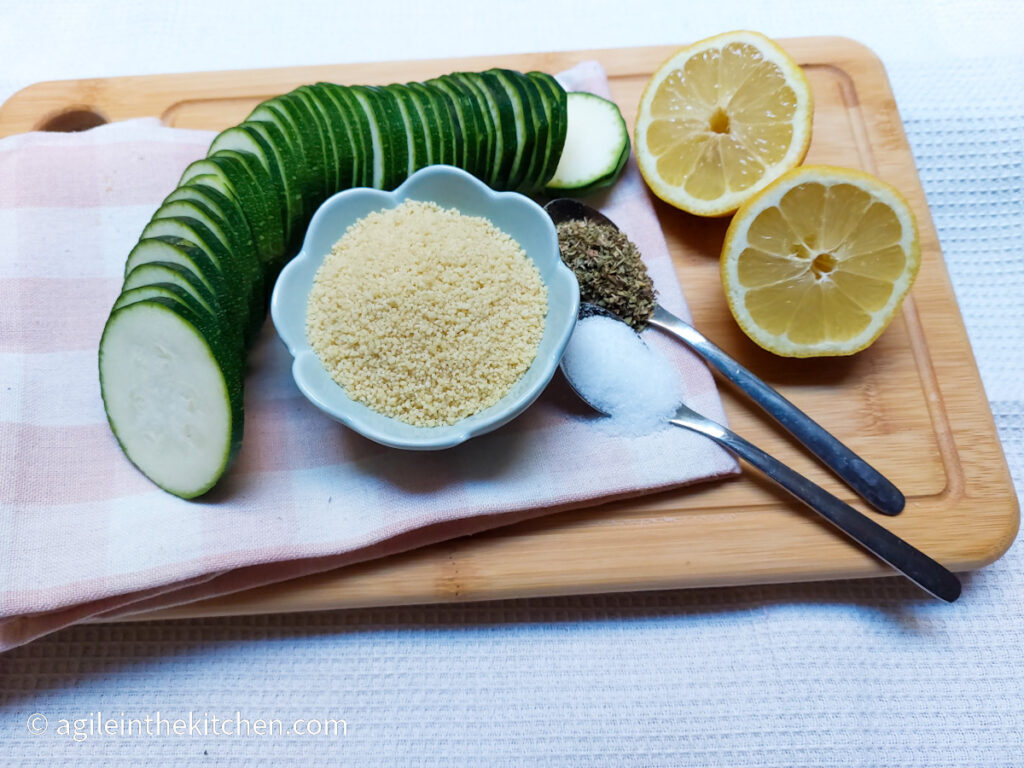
{"x": 608, "y": 267}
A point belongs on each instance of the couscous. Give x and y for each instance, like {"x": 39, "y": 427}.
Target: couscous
{"x": 425, "y": 314}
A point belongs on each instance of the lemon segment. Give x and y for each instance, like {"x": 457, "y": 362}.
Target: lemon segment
{"x": 818, "y": 262}
{"x": 720, "y": 120}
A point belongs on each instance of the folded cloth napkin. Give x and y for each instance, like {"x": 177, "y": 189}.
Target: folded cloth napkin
{"x": 84, "y": 534}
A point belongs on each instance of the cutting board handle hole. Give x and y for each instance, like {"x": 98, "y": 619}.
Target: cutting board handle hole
{"x": 73, "y": 121}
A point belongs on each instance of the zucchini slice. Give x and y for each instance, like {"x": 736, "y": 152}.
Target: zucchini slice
{"x": 393, "y": 135}
{"x": 228, "y": 169}
{"x": 238, "y": 252}
{"x": 487, "y": 114}
{"x": 423, "y": 100}
{"x": 169, "y": 291}
{"x": 181, "y": 253}
{"x": 459, "y": 134}
{"x": 358, "y": 126}
{"x": 378, "y": 142}
{"x": 171, "y": 394}
{"x": 504, "y": 113}
{"x": 415, "y": 130}
{"x": 538, "y": 150}
{"x": 596, "y": 146}
{"x": 251, "y": 179}
{"x": 178, "y": 252}
{"x": 324, "y": 137}
{"x": 265, "y": 142}
{"x": 179, "y": 297}
{"x": 284, "y": 137}
{"x": 166, "y": 273}
{"x": 525, "y": 130}
{"x": 310, "y": 138}
{"x": 340, "y": 138}
{"x": 556, "y": 101}
{"x": 205, "y": 191}
{"x": 245, "y": 316}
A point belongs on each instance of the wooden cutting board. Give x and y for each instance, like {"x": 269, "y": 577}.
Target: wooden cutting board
{"x": 912, "y": 404}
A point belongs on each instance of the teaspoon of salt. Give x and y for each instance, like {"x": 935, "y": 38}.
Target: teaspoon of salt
{"x": 611, "y": 368}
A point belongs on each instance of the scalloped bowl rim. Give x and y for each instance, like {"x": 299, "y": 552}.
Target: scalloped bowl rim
{"x": 450, "y": 187}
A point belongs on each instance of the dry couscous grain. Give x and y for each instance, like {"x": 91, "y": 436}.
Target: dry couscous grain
{"x": 425, "y": 314}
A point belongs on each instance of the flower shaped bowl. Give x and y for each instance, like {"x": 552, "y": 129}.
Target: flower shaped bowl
{"x": 448, "y": 187}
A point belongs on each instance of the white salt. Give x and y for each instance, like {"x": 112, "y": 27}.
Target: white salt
{"x": 615, "y": 371}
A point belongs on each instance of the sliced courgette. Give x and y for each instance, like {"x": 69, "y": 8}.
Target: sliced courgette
{"x": 310, "y": 138}
{"x": 415, "y": 128}
{"x": 340, "y": 137}
{"x": 265, "y": 141}
{"x": 379, "y": 146}
{"x": 286, "y": 138}
{"x": 239, "y": 285}
{"x": 182, "y": 297}
{"x": 238, "y": 252}
{"x": 359, "y": 129}
{"x": 252, "y": 180}
{"x": 325, "y": 137}
{"x": 228, "y": 171}
{"x": 489, "y": 121}
{"x": 536, "y": 152}
{"x": 172, "y": 357}
{"x": 596, "y": 146}
{"x": 555, "y": 100}
{"x": 525, "y": 130}
{"x": 449, "y": 107}
{"x": 423, "y": 99}
{"x": 393, "y": 136}
{"x": 177, "y": 251}
{"x": 163, "y": 272}
{"x": 463, "y": 125}
{"x": 172, "y": 395}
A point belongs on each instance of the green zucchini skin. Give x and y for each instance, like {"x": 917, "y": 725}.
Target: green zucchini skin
{"x": 558, "y": 103}
{"x": 156, "y": 272}
{"x": 205, "y": 264}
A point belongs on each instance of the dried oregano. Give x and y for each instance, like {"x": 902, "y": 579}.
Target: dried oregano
{"x": 609, "y": 270}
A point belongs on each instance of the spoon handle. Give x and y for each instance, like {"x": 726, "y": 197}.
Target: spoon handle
{"x": 911, "y": 562}
{"x": 867, "y": 481}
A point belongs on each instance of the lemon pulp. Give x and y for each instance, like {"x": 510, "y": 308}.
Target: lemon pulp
{"x": 720, "y": 120}
{"x": 819, "y": 262}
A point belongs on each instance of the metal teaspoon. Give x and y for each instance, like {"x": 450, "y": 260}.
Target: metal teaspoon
{"x": 911, "y": 562}
{"x": 868, "y": 482}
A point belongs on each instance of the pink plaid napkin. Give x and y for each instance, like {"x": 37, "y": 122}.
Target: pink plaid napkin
{"x": 83, "y": 534}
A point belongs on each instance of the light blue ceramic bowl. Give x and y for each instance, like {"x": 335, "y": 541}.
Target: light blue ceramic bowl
{"x": 449, "y": 187}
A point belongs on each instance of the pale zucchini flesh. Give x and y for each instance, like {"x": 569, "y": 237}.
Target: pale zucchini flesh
{"x": 174, "y": 409}
{"x": 596, "y": 146}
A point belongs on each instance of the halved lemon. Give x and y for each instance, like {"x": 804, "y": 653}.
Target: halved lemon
{"x": 720, "y": 120}
{"x": 819, "y": 261}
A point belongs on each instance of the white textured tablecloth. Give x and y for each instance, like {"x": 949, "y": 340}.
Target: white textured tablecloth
{"x": 863, "y": 673}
